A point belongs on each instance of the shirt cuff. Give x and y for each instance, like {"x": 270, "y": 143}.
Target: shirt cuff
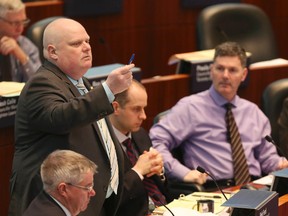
{"x": 140, "y": 176}
{"x": 108, "y": 92}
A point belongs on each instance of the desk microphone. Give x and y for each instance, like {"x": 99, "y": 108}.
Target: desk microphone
{"x": 202, "y": 170}
{"x": 155, "y": 196}
{"x": 270, "y": 139}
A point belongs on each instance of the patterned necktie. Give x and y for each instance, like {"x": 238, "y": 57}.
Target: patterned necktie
{"x": 81, "y": 87}
{"x": 110, "y": 148}
{"x": 111, "y": 152}
{"x": 149, "y": 183}
{"x": 241, "y": 171}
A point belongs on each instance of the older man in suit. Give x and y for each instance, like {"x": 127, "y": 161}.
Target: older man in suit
{"x": 68, "y": 185}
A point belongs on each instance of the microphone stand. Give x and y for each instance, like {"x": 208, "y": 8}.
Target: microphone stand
{"x": 202, "y": 170}
{"x": 157, "y": 199}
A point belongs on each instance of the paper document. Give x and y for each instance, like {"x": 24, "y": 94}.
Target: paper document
{"x": 266, "y": 180}
{"x": 190, "y": 201}
{"x": 272, "y": 63}
{"x": 7, "y": 89}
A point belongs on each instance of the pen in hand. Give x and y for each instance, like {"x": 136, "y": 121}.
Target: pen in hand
{"x": 131, "y": 59}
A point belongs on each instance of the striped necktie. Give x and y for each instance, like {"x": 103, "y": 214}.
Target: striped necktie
{"x": 149, "y": 183}
{"x": 111, "y": 152}
{"x": 81, "y": 87}
{"x": 241, "y": 170}
{"x": 109, "y": 145}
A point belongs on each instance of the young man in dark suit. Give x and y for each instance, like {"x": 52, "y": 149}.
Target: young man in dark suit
{"x": 138, "y": 198}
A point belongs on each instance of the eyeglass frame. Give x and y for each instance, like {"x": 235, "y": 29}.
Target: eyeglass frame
{"x": 17, "y": 23}
{"x": 87, "y": 188}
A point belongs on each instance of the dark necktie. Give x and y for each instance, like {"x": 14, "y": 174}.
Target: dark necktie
{"x": 5, "y": 68}
{"x": 241, "y": 170}
{"x": 149, "y": 183}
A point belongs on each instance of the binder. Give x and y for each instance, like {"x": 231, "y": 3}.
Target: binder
{"x": 253, "y": 203}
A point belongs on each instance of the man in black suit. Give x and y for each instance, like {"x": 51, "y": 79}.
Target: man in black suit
{"x": 67, "y": 179}
{"x": 126, "y": 120}
{"x": 53, "y": 114}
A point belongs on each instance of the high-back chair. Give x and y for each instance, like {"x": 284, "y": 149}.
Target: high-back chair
{"x": 178, "y": 187}
{"x": 243, "y": 23}
{"x": 272, "y": 100}
{"x": 35, "y": 33}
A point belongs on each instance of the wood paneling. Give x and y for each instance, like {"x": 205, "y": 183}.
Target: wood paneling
{"x": 42, "y": 9}
{"x": 163, "y": 93}
{"x": 153, "y": 30}
{"x": 6, "y": 156}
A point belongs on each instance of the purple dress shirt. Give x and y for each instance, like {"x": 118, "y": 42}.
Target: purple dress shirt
{"x": 197, "y": 123}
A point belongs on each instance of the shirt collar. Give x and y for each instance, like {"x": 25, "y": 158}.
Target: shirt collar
{"x": 220, "y": 100}
{"x": 121, "y": 137}
{"x": 75, "y": 82}
{"x": 66, "y": 211}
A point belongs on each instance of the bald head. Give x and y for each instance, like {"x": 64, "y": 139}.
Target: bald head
{"x": 66, "y": 44}
{"x": 56, "y": 32}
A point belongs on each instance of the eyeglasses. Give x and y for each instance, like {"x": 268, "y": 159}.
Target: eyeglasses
{"x": 17, "y": 23}
{"x": 87, "y": 188}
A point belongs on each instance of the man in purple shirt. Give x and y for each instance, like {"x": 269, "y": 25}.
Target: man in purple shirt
{"x": 197, "y": 125}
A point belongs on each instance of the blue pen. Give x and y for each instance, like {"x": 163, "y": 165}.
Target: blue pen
{"x": 131, "y": 59}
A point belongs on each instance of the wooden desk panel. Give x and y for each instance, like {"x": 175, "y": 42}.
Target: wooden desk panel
{"x": 259, "y": 79}
{"x": 42, "y": 9}
{"x": 163, "y": 93}
{"x": 6, "y": 156}
{"x": 283, "y": 205}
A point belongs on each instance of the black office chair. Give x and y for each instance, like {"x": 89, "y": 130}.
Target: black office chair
{"x": 35, "y": 33}
{"x": 272, "y": 100}
{"x": 177, "y": 187}
{"x": 243, "y": 23}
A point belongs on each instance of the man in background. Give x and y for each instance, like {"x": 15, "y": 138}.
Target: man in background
{"x": 58, "y": 109}
{"x": 67, "y": 179}
{"x": 19, "y": 57}
{"x": 203, "y": 126}
{"x": 142, "y": 163}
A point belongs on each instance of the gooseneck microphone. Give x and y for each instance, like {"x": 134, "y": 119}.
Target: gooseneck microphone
{"x": 270, "y": 139}
{"x": 155, "y": 196}
{"x": 202, "y": 170}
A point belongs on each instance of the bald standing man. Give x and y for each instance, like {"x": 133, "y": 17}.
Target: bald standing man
{"x": 54, "y": 114}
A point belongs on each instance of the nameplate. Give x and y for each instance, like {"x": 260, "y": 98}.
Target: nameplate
{"x": 254, "y": 203}
{"x": 8, "y": 106}
{"x": 98, "y": 74}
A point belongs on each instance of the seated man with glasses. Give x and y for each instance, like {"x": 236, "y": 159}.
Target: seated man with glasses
{"x": 19, "y": 57}
{"x": 68, "y": 185}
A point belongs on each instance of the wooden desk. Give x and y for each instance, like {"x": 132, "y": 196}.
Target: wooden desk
{"x": 283, "y": 205}
{"x": 6, "y": 156}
